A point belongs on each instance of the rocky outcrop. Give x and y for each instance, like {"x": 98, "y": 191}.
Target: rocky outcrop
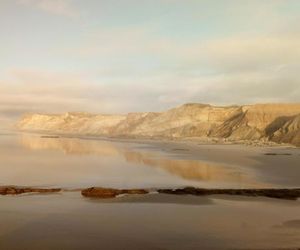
{"x": 262, "y": 122}
{"x": 288, "y": 194}
{"x": 100, "y": 192}
{"x": 22, "y": 190}
{"x": 288, "y": 132}
{"x": 105, "y": 193}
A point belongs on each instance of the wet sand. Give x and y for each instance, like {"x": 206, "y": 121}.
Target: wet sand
{"x": 276, "y": 165}
{"x": 80, "y": 163}
{"x": 67, "y": 220}
{"x": 154, "y": 221}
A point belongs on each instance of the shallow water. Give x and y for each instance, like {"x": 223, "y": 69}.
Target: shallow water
{"x": 156, "y": 221}
{"x": 33, "y": 160}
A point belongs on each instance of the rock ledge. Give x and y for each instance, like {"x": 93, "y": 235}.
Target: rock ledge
{"x": 21, "y": 190}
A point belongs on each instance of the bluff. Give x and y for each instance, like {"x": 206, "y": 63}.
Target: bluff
{"x": 261, "y": 122}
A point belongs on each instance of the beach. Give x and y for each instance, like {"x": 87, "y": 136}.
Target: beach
{"x": 68, "y": 220}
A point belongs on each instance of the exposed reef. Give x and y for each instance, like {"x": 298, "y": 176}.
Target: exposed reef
{"x": 288, "y": 194}
{"x": 100, "y": 192}
{"x": 11, "y": 190}
{"x": 104, "y": 193}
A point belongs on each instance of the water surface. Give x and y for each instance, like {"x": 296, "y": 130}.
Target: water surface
{"x": 155, "y": 221}
{"x": 34, "y": 160}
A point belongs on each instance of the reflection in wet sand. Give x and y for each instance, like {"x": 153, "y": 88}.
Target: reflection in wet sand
{"x": 192, "y": 170}
{"x": 72, "y": 146}
{"x": 215, "y": 174}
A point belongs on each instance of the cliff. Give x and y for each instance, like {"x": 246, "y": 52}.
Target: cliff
{"x": 266, "y": 122}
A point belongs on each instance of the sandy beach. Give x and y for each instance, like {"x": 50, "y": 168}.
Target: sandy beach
{"x": 67, "y": 220}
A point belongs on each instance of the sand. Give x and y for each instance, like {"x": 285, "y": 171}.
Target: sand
{"x": 156, "y": 221}
{"x": 68, "y": 221}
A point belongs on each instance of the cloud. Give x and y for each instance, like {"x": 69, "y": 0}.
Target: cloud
{"x": 232, "y": 53}
{"x": 237, "y": 69}
{"x": 57, "y": 7}
{"x": 246, "y": 53}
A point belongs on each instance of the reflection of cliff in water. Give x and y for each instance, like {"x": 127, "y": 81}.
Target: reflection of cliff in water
{"x": 187, "y": 169}
{"x": 192, "y": 170}
{"x": 70, "y": 145}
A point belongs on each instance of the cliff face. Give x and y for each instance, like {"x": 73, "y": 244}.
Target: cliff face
{"x": 275, "y": 122}
{"x": 71, "y": 123}
{"x": 289, "y": 132}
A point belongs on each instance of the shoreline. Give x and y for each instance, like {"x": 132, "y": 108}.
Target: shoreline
{"x": 147, "y": 139}
{"x": 69, "y": 221}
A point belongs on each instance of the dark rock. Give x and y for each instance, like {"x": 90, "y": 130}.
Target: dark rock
{"x": 22, "y": 190}
{"x": 100, "y": 192}
{"x": 278, "y": 154}
{"x": 289, "y": 194}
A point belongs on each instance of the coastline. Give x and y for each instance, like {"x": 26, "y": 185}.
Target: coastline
{"x": 147, "y": 139}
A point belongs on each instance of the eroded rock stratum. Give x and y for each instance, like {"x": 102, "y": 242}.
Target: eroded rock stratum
{"x": 261, "y": 122}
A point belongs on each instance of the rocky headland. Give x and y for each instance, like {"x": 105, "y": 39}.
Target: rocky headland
{"x": 261, "y": 123}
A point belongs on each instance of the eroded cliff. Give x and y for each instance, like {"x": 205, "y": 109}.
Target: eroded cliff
{"x": 266, "y": 122}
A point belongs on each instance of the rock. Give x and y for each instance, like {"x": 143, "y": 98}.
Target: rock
{"x": 21, "y": 190}
{"x": 100, "y": 192}
{"x": 289, "y": 194}
{"x": 134, "y": 191}
{"x": 260, "y": 123}
{"x": 288, "y": 132}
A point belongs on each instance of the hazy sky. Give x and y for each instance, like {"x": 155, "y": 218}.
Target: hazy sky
{"x": 139, "y": 55}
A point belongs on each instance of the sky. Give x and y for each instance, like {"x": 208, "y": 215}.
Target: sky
{"x": 119, "y": 56}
